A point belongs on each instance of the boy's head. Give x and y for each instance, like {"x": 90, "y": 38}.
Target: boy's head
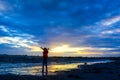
{"x": 45, "y": 48}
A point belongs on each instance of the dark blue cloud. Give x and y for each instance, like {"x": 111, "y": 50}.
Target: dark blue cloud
{"x": 79, "y": 23}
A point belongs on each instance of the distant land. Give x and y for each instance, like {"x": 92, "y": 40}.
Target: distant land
{"x": 4, "y": 58}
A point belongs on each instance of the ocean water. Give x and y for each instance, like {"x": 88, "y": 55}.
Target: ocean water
{"x": 36, "y": 68}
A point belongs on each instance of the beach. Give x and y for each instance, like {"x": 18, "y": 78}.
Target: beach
{"x": 99, "y": 71}
{"x": 62, "y": 39}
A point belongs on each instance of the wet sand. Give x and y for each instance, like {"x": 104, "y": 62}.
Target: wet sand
{"x": 99, "y": 71}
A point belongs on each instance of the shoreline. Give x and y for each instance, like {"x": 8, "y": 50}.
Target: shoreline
{"x": 99, "y": 71}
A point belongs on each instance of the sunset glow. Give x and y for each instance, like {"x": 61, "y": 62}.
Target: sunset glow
{"x": 67, "y": 27}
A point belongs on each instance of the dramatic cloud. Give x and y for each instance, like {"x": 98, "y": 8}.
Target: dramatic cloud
{"x": 67, "y": 27}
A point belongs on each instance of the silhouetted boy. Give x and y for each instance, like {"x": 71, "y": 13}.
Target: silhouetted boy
{"x": 45, "y": 56}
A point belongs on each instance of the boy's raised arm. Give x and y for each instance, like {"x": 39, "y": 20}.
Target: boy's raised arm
{"x": 41, "y": 47}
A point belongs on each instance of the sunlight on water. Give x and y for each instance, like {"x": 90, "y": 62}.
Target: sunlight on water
{"x": 36, "y": 68}
{"x": 63, "y": 67}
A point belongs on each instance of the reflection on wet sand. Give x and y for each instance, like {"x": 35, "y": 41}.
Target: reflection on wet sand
{"x": 36, "y": 69}
{"x": 52, "y": 69}
{"x": 62, "y": 67}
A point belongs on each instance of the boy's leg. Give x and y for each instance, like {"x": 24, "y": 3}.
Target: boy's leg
{"x": 43, "y": 67}
{"x": 46, "y": 67}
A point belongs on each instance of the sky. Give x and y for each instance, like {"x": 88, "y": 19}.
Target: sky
{"x": 67, "y": 27}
